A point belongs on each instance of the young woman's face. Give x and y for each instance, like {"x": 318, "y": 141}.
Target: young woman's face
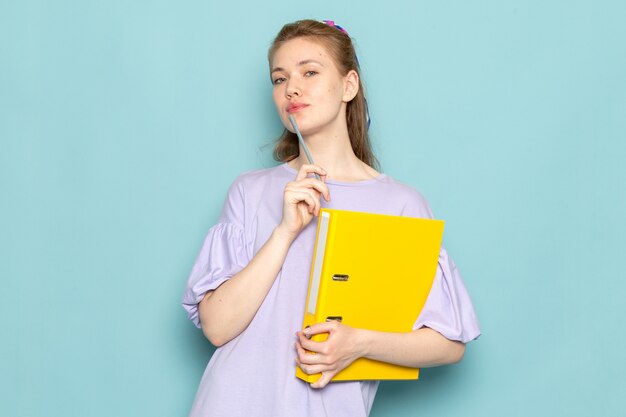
{"x": 308, "y": 85}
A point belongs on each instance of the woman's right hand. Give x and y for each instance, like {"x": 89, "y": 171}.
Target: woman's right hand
{"x": 301, "y": 200}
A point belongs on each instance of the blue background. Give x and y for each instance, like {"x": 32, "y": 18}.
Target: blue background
{"x": 122, "y": 125}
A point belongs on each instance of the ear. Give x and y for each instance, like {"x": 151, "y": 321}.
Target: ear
{"x": 350, "y": 85}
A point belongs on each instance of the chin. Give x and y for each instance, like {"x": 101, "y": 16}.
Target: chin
{"x": 303, "y": 126}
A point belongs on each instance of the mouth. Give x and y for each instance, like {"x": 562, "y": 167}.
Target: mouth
{"x": 295, "y": 107}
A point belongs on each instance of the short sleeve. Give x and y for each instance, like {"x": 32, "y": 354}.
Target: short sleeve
{"x": 448, "y": 308}
{"x": 223, "y": 254}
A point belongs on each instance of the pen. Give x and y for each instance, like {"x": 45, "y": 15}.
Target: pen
{"x": 306, "y": 150}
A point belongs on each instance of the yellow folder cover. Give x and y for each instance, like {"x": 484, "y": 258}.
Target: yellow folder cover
{"x": 371, "y": 271}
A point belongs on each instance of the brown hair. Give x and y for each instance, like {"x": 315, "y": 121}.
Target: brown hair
{"x": 339, "y": 46}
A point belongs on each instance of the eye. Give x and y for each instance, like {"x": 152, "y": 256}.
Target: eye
{"x": 310, "y": 73}
{"x": 278, "y": 80}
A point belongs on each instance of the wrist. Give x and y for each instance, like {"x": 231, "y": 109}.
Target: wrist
{"x": 283, "y": 236}
{"x": 363, "y": 343}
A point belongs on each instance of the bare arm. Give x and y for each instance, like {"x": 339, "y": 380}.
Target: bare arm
{"x": 420, "y": 348}
{"x": 229, "y": 309}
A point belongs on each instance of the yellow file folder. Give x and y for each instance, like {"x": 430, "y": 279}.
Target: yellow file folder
{"x": 371, "y": 271}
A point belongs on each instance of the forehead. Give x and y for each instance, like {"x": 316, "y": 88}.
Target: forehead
{"x": 298, "y": 50}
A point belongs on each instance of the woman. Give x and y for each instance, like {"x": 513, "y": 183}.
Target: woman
{"x": 247, "y": 288}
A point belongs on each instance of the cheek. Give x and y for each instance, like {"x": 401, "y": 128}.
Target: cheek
{"x": 334, "y": 94}
{"x": 335, "y": 90}
{"x": 276, "y": 96}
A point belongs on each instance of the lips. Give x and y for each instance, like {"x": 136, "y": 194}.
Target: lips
{"x": 295, "y": 107}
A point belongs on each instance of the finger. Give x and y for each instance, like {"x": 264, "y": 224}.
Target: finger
{"x": 307, "y": 358}
{"x": 316, "y": 184}
{"x": 324, "y": 380}
{"x": 325, "y": 327}
{"x": 312, "y": 205}
{"x": 309, "y": 362}
{"x": 307, "y": 169}
{"x": 302, "y": 355}
{"x": 309, "y": 182}
{"x": 311, "y": 369}
{"x": 306, "y": 197}
{"x": 300, "y": 352}
{"x": 325, "y": 193}
{"x": 294, "y": 189}
{"x": 310, "y": 345}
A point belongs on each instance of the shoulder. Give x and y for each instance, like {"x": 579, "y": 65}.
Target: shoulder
{"x": 414, "y": 203}
{"x": 265, "y": 184}
{"x": 249, "y": 190}
{"x": 259, "y": 178}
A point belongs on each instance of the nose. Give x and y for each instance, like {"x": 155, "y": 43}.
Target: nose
{"x": 293, "y": 89}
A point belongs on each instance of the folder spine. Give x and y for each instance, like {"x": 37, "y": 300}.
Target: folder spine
{"x": 317, "y": 284}
{"x": 317, "y": 315}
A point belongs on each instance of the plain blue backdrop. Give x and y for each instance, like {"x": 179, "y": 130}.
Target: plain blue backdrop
{"x": 122, "y": 124}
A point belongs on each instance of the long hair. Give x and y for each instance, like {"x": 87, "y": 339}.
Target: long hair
{"x": 339, "y": 46}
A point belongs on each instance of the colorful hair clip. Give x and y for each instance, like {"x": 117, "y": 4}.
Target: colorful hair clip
{"x": 332, "y": 23}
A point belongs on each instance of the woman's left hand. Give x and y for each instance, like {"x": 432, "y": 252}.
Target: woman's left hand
{"x": 332, "y": 355}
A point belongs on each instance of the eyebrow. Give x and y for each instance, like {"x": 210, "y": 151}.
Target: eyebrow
{"x": 305, "y": 62}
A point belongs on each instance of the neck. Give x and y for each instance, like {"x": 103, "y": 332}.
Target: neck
{"x": 333, "y": 152}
